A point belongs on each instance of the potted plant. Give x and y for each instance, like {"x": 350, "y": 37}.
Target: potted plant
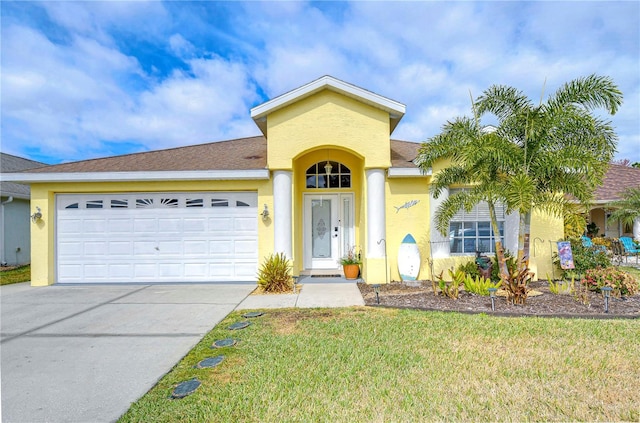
{"x": 351, "y": 263}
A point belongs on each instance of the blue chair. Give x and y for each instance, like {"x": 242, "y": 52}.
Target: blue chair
{"x": 629, "y": 246}
{"x": 587, "y": 243}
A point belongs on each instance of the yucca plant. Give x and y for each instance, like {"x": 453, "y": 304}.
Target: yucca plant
{"x": 275, "y": 274}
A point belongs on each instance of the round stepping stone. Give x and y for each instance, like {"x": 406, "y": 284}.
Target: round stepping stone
{"x": 252, "y": 314}
{"x": 209, "y": 362}
{"x": 239, "y": 325}
{"x": 185, "y": 388}
{"x": 227, "y": 342}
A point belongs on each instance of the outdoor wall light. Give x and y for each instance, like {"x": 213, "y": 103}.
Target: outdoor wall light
{"x": 37, "y": 215}
{"x": 607, "y": 293}
{"x": 492, "y": 293}
{"x": 376, "y": 289}
{"x": 265, "y": 213}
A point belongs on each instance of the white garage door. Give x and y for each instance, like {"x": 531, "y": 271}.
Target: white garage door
{"x": 157, "y": 237}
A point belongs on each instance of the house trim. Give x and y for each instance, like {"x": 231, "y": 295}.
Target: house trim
{"x": 189, "y": 175}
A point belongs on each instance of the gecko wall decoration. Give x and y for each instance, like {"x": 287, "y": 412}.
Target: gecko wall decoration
{"x": 406, "y": 205}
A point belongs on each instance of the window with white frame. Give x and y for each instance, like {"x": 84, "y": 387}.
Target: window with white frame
{"x": 471, "y": 231}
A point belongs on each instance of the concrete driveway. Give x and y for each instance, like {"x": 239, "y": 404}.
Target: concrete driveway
{"x": 85, "y": 353}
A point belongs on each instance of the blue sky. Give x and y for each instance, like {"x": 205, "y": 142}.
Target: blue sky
{"x": 93, "y": 79}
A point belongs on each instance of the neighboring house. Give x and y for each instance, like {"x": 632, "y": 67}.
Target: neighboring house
{"x": 323, "y": 177}
{"x": 617, "y": 179}
{"x": 15, "y": 225}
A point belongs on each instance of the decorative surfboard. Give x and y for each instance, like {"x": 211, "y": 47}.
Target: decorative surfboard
{"x": 408, "y": 259}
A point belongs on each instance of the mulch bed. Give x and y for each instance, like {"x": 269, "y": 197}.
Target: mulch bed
{"x": 420, "y": 296}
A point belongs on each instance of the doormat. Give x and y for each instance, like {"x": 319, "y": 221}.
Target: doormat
{"x": 326, "y": 276}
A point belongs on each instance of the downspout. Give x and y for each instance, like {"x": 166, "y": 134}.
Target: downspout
{"x": 2, "y": 258}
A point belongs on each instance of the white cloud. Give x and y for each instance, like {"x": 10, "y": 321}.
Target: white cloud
{"x": 428, "y": 55}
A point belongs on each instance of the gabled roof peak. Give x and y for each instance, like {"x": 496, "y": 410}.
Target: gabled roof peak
{"x": 395, "y": 109}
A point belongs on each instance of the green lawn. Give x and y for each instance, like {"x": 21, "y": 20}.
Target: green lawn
{"x": 375, "y": 365}
{"x": 19, "y": 274}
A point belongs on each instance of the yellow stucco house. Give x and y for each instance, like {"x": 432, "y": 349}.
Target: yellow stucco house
{"x": 325, "y": 176}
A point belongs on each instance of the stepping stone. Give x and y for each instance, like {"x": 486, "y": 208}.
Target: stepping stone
{"x": 252, "y": 314}
{"x": 209, "y": 362}
{"x": 239, "y": 325}
{"x": 227, "y": 342}
{"x": 185, "y": 388}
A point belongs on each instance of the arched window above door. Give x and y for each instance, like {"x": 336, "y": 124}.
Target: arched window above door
{"x": 328, "y": 174}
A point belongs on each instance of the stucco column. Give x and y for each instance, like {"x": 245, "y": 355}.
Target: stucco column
{"x": 282, "y": 205}
{"x": 375, "y": 213}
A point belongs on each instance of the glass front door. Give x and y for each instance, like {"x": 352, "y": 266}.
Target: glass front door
{"x": 328, "y": 229}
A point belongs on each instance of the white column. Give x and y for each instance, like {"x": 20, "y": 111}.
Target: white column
{"x": 375, "y": 213}
{"x": 636, "y": 229}
{"x": 282, "y": 204}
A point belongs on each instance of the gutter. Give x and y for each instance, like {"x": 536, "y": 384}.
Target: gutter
{"x": 131, "y": 176}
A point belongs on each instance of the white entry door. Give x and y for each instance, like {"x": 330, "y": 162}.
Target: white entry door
{"x": 328, "y": 229}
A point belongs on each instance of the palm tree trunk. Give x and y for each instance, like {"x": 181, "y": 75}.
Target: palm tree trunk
{"x": 524, "y": 237}
{"x": 502, "y": 259}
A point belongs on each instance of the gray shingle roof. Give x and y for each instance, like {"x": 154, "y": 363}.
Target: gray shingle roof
{"x": 617, "y": 179}
{"x": 238, "y": 154}
{"x": 10, "y": 163}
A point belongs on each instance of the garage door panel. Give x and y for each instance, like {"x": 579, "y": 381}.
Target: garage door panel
{"x": 70, "y": 226}
{"x": 69, "y": 272}
{"x": 156, "y": 237}
{"x": 195, "y": 248}
{"x": 244, "y": 224}
{"x": 245, "y": 246}
{"x": 170, "y": 270}
{"x": 120, "y": 248}
{"x": 70, "y": 249}
{"x": 116, "y": 226}
{"x": 145, "y": 248}
{"x": 120, "y": 271}
{"x": 197, "y": 225}
{"x": 145, "y": 270}
{"x": 95, "y": 271}
{"x": 224, "y": 247}
{"x": 221, "y": 269}
{"x": 173, "y": 226}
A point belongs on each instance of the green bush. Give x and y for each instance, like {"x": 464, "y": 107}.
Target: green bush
{"x": 621, "y": 282}
{"x": 275, "y": 274}
{"x": 585, "y": 258}
{"x": 479, "y": 285}
{"x": 470, "y": 268}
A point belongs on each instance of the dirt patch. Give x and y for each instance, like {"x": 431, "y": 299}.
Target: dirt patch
{"x": 420, "y": 296}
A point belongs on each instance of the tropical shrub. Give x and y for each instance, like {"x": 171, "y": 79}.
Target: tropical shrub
{"x": 470, "y": 268}
{"x": 452, "y": 288}
{"x": 621, "y": 282}
{"x": 275, "y": 274}
{"x": 561, "y": 287}
{"x": 479, "y": 285}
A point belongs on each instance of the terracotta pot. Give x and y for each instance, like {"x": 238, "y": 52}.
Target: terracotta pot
{"x": 351, "y": 271}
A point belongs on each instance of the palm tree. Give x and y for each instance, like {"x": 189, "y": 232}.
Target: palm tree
{"x": 536, "y": 155}
{"x": 628, "y": 208}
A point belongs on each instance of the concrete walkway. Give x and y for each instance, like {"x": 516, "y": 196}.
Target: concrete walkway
{"x": 312, "y": 293}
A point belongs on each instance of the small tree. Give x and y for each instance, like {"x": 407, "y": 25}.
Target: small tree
{"x": 628, "y": 208}
{"x": 534, "y": 157}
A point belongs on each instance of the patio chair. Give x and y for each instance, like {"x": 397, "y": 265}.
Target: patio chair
{"x": 587, "y": 243}
{"x": 630, "y": 247}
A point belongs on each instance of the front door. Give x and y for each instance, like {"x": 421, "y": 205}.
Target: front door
{"x": 328, "y": 229}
